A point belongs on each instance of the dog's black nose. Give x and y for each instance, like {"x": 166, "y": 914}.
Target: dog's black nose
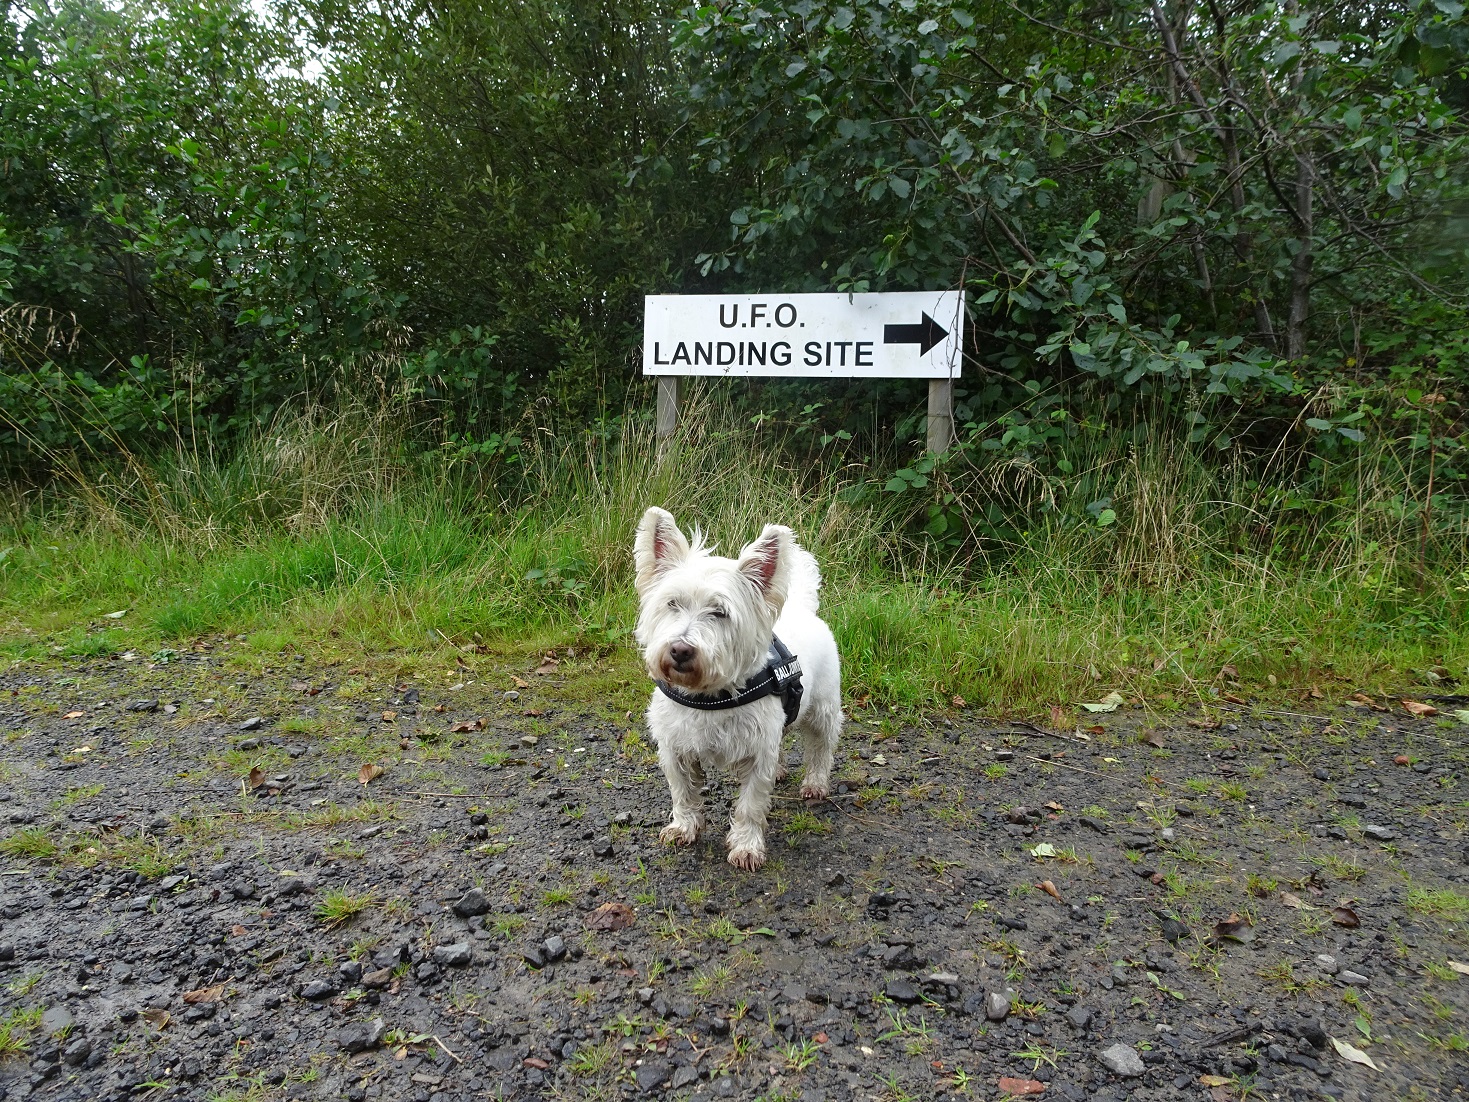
{"x": 681, "y": 653}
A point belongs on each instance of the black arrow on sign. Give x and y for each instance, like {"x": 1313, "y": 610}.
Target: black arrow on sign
{"x": 925, "y": 334}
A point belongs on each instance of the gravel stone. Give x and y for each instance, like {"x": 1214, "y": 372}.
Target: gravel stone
{"x": 1122, "y": 1060}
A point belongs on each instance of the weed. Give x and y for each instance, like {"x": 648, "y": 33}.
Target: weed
{"x": 800, "y": 1056}
{"x": 337, "y": 906}
{"x": 1439, "y": 902}
{"x": 15, "y": 1032}
{"x": 32, "y": 842}
{"x": 804, "y": 823}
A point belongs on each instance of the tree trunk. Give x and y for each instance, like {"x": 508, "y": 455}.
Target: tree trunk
{"x": 1300, "y": 266}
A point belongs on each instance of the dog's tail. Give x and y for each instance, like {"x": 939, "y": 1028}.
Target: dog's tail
{"x": 805, "y": 586}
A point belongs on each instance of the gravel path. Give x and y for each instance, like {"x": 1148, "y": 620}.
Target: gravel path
{"x": 202, "y": 898}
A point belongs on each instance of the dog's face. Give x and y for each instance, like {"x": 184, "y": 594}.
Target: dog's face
{"x": 704, "y": 620}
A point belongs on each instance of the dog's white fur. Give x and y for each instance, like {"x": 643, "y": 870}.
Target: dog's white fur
{"x": 705, "y": 624}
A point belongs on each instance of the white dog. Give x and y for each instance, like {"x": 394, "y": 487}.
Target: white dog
{"x": 709, "y": 628}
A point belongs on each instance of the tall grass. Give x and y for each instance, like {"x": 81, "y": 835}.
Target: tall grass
{"x": 330, "y": 523}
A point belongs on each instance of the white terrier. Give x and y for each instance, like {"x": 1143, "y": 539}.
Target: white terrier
{"x": 718, "y": 637}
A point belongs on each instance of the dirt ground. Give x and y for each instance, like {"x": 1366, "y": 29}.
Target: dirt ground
{"x": 228, "y": 874}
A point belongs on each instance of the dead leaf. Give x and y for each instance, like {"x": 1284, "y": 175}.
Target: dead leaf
{"x": 1054, "y": 806}
{"x": 520, "y": 682}
{"x": 1215, "y": 1080}
{"x": 390, "y": 715}
{"x": 1316, "y": 694}
{"x": 549, "y": 664}
{"x": 1235, "y": 928}
{"x": 1234, "y": 699}
{"x": 1229, "y": 672}
{"x": 238, "y": 931}
{"x": 204, "y": 994}
{"x": 1019, "y": 1088}
{"x": 1462, "y": 969}
{"x": 1208, "y": 723}
{"x": 1050, "y": 889}
{"x": 1402, "y": 759}
{"x": 369, "y": 772}
{"x": 820, "y": 1038}
{"x": 1109, "y": 703}
{"x": 958, "y": 701}
{"x": 1159, "y": 663}
{"x": 1095, "y": 729}
{"x": 1345, "y": 916}
{"x": 611, "y": 916}
{"x": 535, "y": 1062}
{"x": 1420, "y": 709}
{"x": 469, "y": 725}
{"x": 1355, "y": 1055}
{"x": 1154, "y": 740}
{"x": 1295, "y": 902}
{"x": 300, "y": 687}
{"x": 1058, "y": 718}
{"x": 155, "y": 1017}
{"x": 256, "y": 777}
{"x": 73, "y": 715}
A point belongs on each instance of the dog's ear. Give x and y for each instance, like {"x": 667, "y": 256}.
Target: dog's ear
{"x": 659, "y": 547}
{"x": 767, "y": 564}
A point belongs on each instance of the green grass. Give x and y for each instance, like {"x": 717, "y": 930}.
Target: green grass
{"x": 1439, "y": 902}
{"x": 33, "y": 842}
{"x": 326, "y": 539}
{"x": 15, "y": 1032}
{"x": 337, "y": 906}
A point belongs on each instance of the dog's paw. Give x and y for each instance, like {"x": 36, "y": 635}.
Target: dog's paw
{"x": 747, "y": 859}
{"x": 780, "y": 773}
{"x": 813, "y": 791}
{"x": 675, "y": 835}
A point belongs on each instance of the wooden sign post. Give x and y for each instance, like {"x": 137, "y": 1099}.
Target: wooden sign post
{"x": 894, "y": 335}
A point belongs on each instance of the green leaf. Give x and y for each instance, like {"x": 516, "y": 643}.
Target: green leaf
{"x": 899, "y": 186}
{"x": 1318, "y": 424}
{"x": 1106, "y": 517}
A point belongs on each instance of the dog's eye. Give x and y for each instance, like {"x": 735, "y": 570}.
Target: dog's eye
{"x": 672, "y": 602}
{"x": 719, "y": 613}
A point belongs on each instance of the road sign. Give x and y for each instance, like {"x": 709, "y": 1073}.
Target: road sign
{"x": 893, "y": 335}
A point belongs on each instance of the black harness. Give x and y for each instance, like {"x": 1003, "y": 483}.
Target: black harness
{"x": 781, "y": 677}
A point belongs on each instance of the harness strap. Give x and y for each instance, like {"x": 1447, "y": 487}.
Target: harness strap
{"x": 780, "y": 677}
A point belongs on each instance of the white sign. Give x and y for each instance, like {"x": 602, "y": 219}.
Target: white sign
{"x": 896, "y": 335}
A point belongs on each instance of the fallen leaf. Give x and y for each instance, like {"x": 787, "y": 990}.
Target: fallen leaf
{"x": 548, "y": 665}
{"x": 1114, "y": 761}
{"x": 1021, "y": 1087}
{"x": 535, "y": 1062}
{"x": 1295, "y": 902}
{"x": 1229, "y": 672}
{"x": 957, "y": 701}
{"x": 1235, "y": 928}
{"x": 300, "y": 687}
{"x": 1233, "y": 699}
{"x": 1355, "y": 1055}
{"x": 1098, "y": 729}
{"x": 1402, "y": 759}
{"x": 118, "y": 615}
{"x": 155, "y": 1017}
{"x": 1208, "y": 723}
{"x": 1109, "y": 703}
{"x": 1054, "y": 806}
{"x": 1154, "y": 740}
{"x": 369, "y": 772}
{"x": 73, "y": 715}
{"x": 1059, "y": 720}
{"x": 1159, "y": 663}
{"x": 520, "y": 683}
{"x": 468, "y": 725}
{"x": 1345, "y": 916}
{"x": 238, "y": 931}
{"x": 1462, "y": 969}
{"x": 611, "y": 916}
{"x": 1462, "y": 715}
{"x": 1215, "y": 1080}
{"x": 820, "y": 1038}
{"x": 1316, "y": 694}
{"x": 878, "y": 759}
{"x": 204, "y": 994}
{"x": 1050, "y": 889}
{"x": 256, "y": 777}
{"x": 1044, "y": 849}
{"x": 390, "y": 715}
{"x": 1420, "y": 709}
